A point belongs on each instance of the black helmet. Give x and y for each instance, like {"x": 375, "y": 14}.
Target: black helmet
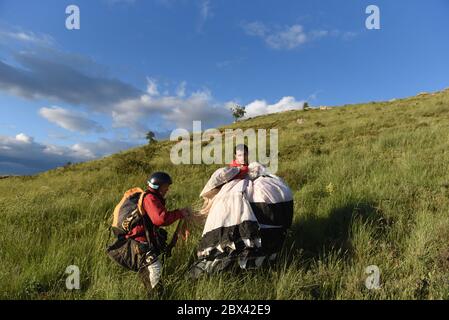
{"x": 157, "y": 179}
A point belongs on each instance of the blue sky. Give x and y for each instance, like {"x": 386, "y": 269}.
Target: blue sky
{"x": 135, "y": 65}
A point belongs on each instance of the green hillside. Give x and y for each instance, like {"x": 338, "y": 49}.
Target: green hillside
{"x": 370, "y": 183}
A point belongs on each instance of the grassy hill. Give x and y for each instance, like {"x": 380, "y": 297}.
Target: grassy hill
{"x": 370, "y": 183}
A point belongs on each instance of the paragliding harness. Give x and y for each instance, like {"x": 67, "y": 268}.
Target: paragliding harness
{"x": 130, "y": 253}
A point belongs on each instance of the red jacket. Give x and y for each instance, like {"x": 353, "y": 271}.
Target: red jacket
{"x": 154, "y": 207}
{"x": 243, "y": 169}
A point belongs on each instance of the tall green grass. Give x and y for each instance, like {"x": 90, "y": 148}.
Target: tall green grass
{"x": 370, "y": 184}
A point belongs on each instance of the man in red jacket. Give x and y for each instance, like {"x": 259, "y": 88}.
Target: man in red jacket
{"x": 154, "y": 206}
{"x": 156, "y": 216}
{"x": 240, "y": 160}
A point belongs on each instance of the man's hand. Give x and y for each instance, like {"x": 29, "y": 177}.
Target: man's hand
{"x": 186, "y": 212}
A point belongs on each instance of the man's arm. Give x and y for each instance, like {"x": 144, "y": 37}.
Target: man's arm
{"x": 158, "y": 213}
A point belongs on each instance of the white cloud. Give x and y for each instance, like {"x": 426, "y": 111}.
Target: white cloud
{"x": 101, "y": 147}
{"x": 318, "y": 34}
{"x": 255, "y": 29}
{"x": 205, "y": 9}
{"x": 261, "y": 107}
{"x": 349, "y": 35}
{"x": 173, "y": 111}
{"x": 26, "y": 37}
{"x": 345, "y": 35}
{"x": 181, "y": 90}
{"x": 288, "y": 38}
{"x": 205, "y": 13}
{"x": 70, "y": 120}
{"x": 24, "y": 138}
{"x": 230, "y": 62}
{"x": 22, "y": 155}
{"x": 152, "y": 87}
{"x": 83, "y": 151}
{"x": 313, "y": 96}
{"x": 35, "y": 68}
{"x": 39, "y": 77}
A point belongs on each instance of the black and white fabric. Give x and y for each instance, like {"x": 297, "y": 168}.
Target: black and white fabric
{"x": 272, "y": 203}
{"x": 247, "y": 222}
{"x": 218, "y": 178}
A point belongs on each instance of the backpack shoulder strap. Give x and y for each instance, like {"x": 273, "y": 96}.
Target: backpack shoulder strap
{"x": 142, "y": 197}
{"x": 140, "y": 205}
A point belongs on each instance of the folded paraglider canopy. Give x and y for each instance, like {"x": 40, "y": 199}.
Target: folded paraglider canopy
{"x": 247, "y": 219}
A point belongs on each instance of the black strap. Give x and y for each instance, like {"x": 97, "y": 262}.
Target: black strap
{"x": 150, "y": 240}
{"x": 173, "y": 241}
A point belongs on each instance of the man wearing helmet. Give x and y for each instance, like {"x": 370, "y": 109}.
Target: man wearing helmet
{"x": 150, "y": 234}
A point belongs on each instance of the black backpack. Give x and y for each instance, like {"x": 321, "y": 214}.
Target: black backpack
{"x": 128, "y": 212}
